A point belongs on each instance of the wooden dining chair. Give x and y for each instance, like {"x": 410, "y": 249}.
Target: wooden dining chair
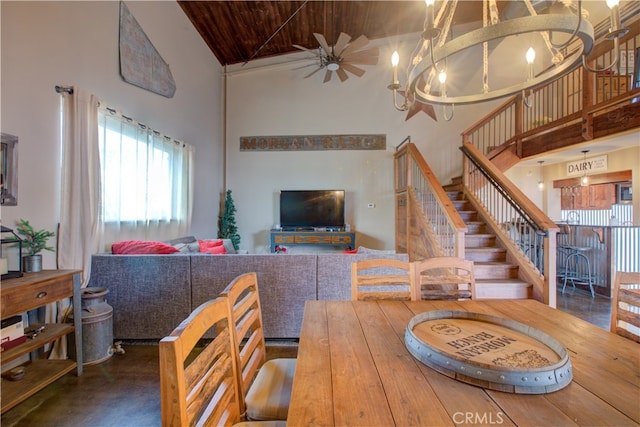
{"x": 265, "y": 386}
{"x": 443, "y": 278}
{"x": 380, "y": 278}
{"x": 198, "y": 384}
{"x": 625, "y": 306}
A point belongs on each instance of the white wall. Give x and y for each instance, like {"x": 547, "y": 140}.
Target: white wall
{"x": 278, "y": 100}
{"x": 76, "y": 43}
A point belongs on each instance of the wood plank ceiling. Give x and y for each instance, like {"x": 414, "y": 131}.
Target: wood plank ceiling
{"x": 241, "y": 31}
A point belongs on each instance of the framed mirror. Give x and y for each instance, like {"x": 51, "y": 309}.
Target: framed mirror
{"x": 9, "y": 171}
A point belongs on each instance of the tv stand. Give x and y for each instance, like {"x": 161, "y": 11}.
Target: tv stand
{"x": 289, "y": 237}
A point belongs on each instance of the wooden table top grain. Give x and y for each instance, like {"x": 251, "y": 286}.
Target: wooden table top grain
{"x": 353, "y": 369}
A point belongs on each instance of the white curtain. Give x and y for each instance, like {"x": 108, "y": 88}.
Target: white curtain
{"x": 80, "y": 194}
{"x": 80, "y": 187}
{"x": 148, "y": 181}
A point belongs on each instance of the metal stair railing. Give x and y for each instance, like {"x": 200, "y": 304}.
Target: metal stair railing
{"x": 521, "y": 225}
{"x": 435, "y": 226}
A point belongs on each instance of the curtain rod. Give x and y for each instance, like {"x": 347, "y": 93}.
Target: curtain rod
{"x": 67, "y": 89}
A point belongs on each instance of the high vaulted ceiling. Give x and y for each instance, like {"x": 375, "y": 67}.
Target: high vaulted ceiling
{"x": 241, "y": 31}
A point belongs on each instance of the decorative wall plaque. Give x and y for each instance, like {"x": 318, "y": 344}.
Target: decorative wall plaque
{"x": 313, "y": 142}
{"x": 140, "y": 63}
{"x": 9, "y": 171}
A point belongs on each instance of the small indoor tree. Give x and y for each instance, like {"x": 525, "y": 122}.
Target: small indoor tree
{"x": 227, "y": 228}
{"x": 33, "y": 242}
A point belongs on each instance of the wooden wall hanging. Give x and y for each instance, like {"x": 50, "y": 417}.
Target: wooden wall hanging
{"x": 140, "y": 63}
{"x": 313, "y": 142}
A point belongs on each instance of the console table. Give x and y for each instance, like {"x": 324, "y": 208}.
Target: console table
{"x": 29, "y": 292}
{"x": 320, "y": 238}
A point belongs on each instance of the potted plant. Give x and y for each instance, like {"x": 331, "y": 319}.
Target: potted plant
{"x": 33, "y": 242}
{"x": 227, "y": 224}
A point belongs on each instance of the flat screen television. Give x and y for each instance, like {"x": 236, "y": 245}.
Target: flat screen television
{"x": 311, "y": 208}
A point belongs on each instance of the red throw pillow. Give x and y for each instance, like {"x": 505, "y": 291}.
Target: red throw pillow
{"x": 216, "y": 250}
{"x": 142, "y": 247}
{"x": 206, "y": 245}
{"x": 351, "y": 251}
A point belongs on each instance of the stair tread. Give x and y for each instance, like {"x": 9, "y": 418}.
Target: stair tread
{"x": 502, "y": 282}
{"x": 485, "y": 249}
{"x": 485, "y": 265}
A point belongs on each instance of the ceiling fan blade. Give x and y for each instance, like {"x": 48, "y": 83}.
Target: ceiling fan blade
{"x": 341, "y": 44}
{"x": 352, "y": 69}
{"x": 327, "y": 76}
{"x": 323, "y": 43}
{"x": 362, "y": 59}
{"x": 313, "y": 64}
{"x": 312, "y": 51}
{"x": 342, "y": 74}
{"x": 357, "y": 44}
{"x": 374, "y": 51}
{"x": 313, "y": 72}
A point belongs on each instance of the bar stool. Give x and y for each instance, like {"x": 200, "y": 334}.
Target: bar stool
{"x": 572, "y": 268}
{"x": 562, "y": 247}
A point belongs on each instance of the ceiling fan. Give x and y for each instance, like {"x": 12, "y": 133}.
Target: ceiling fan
{"x": 342, "y": 57}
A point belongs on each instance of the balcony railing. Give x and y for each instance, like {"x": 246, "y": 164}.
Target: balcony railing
{"x": 579, "y": 106}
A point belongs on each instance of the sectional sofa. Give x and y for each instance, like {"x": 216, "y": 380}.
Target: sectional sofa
{"x": 152, "y": 294}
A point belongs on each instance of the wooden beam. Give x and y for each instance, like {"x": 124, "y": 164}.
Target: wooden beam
{"x": 601, "y": 178}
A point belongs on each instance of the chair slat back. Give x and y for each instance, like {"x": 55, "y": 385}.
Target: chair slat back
{"x": 380, "y": 278}
{"x": 198, "y": 384}
{"x": 443, "y": 278}
{"x": 246, "y": 314}
{"x": 625, "y": 307}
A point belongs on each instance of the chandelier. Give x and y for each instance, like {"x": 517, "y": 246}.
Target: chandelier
{"x": 532, "y": 49}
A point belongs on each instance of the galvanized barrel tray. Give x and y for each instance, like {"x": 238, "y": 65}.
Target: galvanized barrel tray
{"x": 489, "y": 351}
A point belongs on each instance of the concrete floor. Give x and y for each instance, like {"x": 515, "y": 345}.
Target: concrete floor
{"x": 122, "y": 391}
{"x": 580, "y": 304}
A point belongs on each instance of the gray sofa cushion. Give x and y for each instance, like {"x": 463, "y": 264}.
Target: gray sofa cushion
{"x": 285, "y": 282}
{"x": 148, "y": 293}
{"x": 152, "y": 294}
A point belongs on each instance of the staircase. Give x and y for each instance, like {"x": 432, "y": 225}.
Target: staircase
{"x": 495, "y": 277}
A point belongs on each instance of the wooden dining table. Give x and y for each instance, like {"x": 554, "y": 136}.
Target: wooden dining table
{"x": 354, "y": 369}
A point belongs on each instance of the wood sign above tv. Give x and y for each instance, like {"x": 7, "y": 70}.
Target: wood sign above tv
{"x": 313, "y": 142}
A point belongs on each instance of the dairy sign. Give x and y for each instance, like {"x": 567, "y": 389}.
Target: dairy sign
{"x": 588, "y": 166}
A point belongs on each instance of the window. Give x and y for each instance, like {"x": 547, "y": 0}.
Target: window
{"x": 146, "y": 176}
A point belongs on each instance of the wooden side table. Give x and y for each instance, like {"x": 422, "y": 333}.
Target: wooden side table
{"x": 319, "y": 238}
{"x": 29, "y": 292}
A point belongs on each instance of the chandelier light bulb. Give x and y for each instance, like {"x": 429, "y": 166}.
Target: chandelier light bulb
{"x": 610, "y": 3}
{"x": 442, "y": 77}
{"x": 531, "y": 56}
{"x": 395, "y": 59}
{"x": 430, "y": 32}
{"x": 616, "y": 31}
{"x": 584, "y": 181}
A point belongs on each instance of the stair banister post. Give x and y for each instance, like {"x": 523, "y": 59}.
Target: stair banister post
{"x": 550, "y": 268}
{"x": 519, "y": 122}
